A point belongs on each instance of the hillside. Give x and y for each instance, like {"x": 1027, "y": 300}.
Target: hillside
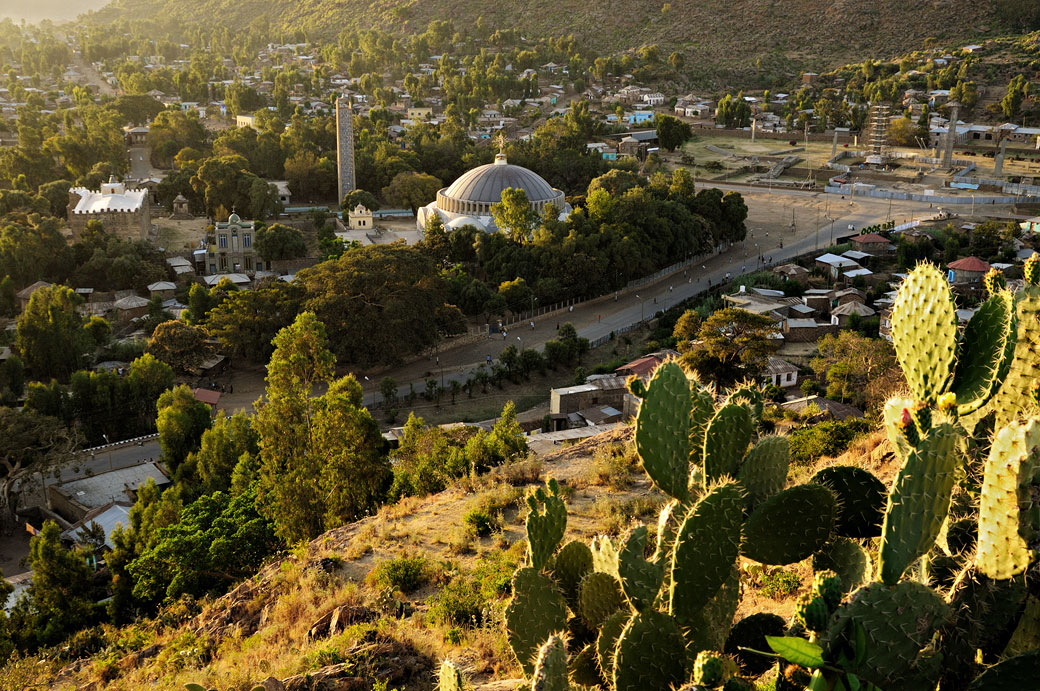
{"x": 799, "y": 34}
{"x": 277, "y": 623}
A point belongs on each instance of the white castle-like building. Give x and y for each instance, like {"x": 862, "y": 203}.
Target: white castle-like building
{"x": 123, "y": 212}
{"x": 468, "y": 200}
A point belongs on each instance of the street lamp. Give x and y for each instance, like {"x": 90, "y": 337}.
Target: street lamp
{"x": 109, "y": 443}
{"x": 640, "y": 308}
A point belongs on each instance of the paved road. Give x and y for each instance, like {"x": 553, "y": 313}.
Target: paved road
{"x": 599, "y": 318}
{"x": 140, "y": 162}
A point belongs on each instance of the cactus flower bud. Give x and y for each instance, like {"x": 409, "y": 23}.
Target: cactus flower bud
{"x": 947, "y": 401}
{"x": 908, "y": 428}
{"x": 922, "y": 416}
{"x": 994, "y": 281}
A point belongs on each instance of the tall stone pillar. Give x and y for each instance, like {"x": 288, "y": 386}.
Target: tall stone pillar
{"x": 951, "y": 134}
{"x": 834, "y": 145}
{"x": 998, "y": 162}
{"x": 753, "y": 123}
{"x": 345, "y": 147}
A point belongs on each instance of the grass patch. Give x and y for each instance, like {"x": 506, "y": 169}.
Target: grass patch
{"x": 407, "y": 574}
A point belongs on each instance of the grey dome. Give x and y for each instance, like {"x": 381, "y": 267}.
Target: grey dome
{"x": 485, "y": 184}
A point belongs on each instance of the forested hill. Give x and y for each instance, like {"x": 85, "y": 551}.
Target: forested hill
{"x": 715, "y": 33}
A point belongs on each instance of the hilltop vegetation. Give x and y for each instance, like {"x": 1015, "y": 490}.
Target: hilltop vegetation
{"x": 712, "y": 33}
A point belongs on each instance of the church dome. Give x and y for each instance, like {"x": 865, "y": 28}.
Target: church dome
{"x": 477, "y": 190}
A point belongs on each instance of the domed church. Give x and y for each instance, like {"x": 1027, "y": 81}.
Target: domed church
{"x": 468, "y": 200}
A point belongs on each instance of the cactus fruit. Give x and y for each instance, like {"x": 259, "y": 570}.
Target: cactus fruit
{"x": 536, "y": 612}
{"x": 897, "y": 623}
{"x": 924, "y": 332}
{"x": 790, "y": 526}
{"x": 899, "y": 426}
{"x": 640, "y": 579}
{"x": 650, "y": 653}
{"x": 545, "y": 529}
{"x": 550, "y": 672}
{"x": 600, "y": 597}
{"x": 726, "y": 441}
{"x": 1031, "y": 269}
{"x": 662, "y": 429}
{"x": 569, "y": 567}
{"x": 847, "y": 559}
{"x": 921, "y": 415}
{"x": 918, "y": 502}
{"x": 827, "y": 585}
{"x": 709, "y": 669}
{"x": 1014, "y": 459}
{"x": 606, "y": 642}
{"x": 861, "y": 500}
{"x": 449, "y": 678}
{"x": 985, "y": 352}
{"x": 812, "y": 612}
{"x": 706, "y": 548}
{"x": 764, "y": 471}
{"x": 994, "y": 281}
{"x": 750, "y": 632}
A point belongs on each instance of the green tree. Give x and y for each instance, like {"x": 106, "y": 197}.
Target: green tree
{"x": 181, "y": 346}
{"x": 517, "y": 294}
{"x": 352, "y": 199}
{"x": 51, "y": 337}
{"x": 858, "y": 370}
{"x": 672, "y": 132}
{"x": 221, "y": 449}
{"x": 1017, "y": 90}
{"x": 278, "y": 241}
{"x": 33, "y": 442}
{"x": 514, "y": 215}
{"x": 181, "y": 423}
{"x": 732, "y": 344}
{"x": 247, "y": 321}
{"x": 60, "y": 599}
{"x": 412, "y": 190}
{"x": 321, "y": 461}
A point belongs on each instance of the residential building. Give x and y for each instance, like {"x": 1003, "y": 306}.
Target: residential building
{"x": 828, "y": 408}
{"x": 75, "y": 499}
{"x": 967, "y": 270}
{"x": 841, "y": 314}
{"x": 25, "y": 293}
{"x": 231, "y": 248}
{"x": 871, "y": 243}
{"x": 780, "y": 373}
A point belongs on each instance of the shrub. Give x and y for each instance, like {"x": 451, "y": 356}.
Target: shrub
{"x": 481, "y": 522}
{"x": 457, "y": 604}
{"x": 407, "y": 574}
{"x": 612, "y": 465}
{"x": 828, "y": 438}
{"x": 779, "y": 583}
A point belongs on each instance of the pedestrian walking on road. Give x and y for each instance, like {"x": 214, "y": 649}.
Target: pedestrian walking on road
{"x": 532, "y": 325}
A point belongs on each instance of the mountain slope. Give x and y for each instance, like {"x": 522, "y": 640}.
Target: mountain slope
{"x": 715, "y": 33}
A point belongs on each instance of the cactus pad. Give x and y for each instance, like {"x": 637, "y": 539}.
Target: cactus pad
{"x": 449, "y": 678}
{"x": 1014, "y": 459}
{"x": 898, "y": 622}
{"x": 750, "y": 632}
{"x": 764, "y": 471}
{"x": 790, "y": 526}
{"x": 536, "y": 612}
{"x": 569, "y": 567}
{"x": 709, "y": 669}
{"x": 924, "y": 331}
{"x": 650, "y": 654}
{"x": 606, "y": 642}
{"x": 726, "y": 441}
{"x": 1017, "y": 673}
{"x": 662, "y": 430}
{"x": 604, "y": 555}
{"x": 600, "y": 597}
{"x": 668, "y": 522}
{"x": 550, "y": 672}
{"x": 861, "y": 500}
{"x": 918, "y": 503}
{"x": 812, "y": 612}
{"x": 640, "y": 579}
{"x": 710, "y": 627}
{"x": 545, "y": 528}
{"x": 847, "y": 559}
{"x": 984, "y": 349}
{"x": 706, "y": 548}
{"x": 1014, "y": 398}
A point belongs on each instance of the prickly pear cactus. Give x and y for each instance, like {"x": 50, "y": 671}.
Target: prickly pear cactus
{"x": 1013, "y": 462}
{"x": 847, "y": 559}
{"x": 1013, "y": 399}
{"x": 750, "y": 634}
{"x": 985, "y": 352}
{"x": 545, "y": 528}
{"x": 994, "y": 281}
{"x": 918, "y": 502}
{"x": 600, "y": 597}
{"x": 607, "y": 640}
{"x": 640, "y": 579}
{"x": 449, "y": 678}
{"x": 924, "y": 332}
{"x": 650, "y": 653}
{"x": 662, "y": 430}
{"x": 861, "y": 500}
{"x": 709, "y": 669}
{"x": 550, "y": 672}
{"x": 536, "y": 612}
{"x": 764, "y": 471}
{"x": 706, "y": 548}
{"x": 897, "y": 623}
{"x": 726, "y": 441}
{"x": 790, "y": 526}
{"x": 812, "y": 612}
{"x": 569, "y": 567}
